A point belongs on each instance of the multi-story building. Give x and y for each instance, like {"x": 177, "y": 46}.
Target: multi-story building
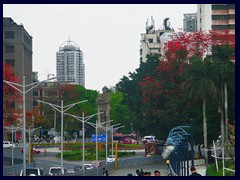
{"x": 70, "y": 66}
{"x": 216, "y": 17}
{"x": 151, "y": 40}
{"x": 190, "y": 22}
{"x": 17, "y": 51}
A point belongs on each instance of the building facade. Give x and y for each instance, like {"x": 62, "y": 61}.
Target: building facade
{"x": 17, "y": 51}
{"x": 70, "y": 66}
{"x": 151, "y": 41}
{"x": 190, "y": 22}
{"x": 216, "y": 17}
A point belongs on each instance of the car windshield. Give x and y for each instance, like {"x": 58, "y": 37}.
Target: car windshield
{"x": 55, "y": 171}
{"x": 78, "y": 168}
{"x": 111, "y": 156}
{"x": 31, "y": 171}
{"x": 87, "y": 166}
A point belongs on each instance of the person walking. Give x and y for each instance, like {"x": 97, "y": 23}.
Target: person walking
{"x": 194, "y": 172}
{"x": 105, "y": 172}
{"x": 167, "y": 163}
{"x": 45, "y": 152}
{"x": 137, "y": 172}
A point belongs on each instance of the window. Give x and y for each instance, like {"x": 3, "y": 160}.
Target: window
{"x": 220, "y": 17}
{"x": 220, "y": 27}
{"x": 232, "y": 16}
{"x": 9, "y": 49}
{"x": 9, "y": 34}
{"x": 150, "y": 40}
{"x": 220, "y": 7}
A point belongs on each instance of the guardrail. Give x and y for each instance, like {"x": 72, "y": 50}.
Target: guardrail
{"x": 122, "y": 163}
{"x": 16, "y": 169}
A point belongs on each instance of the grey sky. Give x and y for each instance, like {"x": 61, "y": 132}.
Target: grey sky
{"x": 109, "y": 35}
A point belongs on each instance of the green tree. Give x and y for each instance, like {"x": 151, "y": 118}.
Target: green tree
{"x": 120, "y": 113}
{"x": 200, "y": 84}
{"x": 131, "y": 91}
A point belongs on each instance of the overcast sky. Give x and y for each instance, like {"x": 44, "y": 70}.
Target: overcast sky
{"x": 108, "y": 34}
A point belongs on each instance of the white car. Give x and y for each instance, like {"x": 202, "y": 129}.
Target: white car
{"x": 88, "y": 166}
{"x": 56, "y": 171}
{"x": 33, "y": 171}
{"x": 8, "y": 144}
{"x": 110, "y": 158}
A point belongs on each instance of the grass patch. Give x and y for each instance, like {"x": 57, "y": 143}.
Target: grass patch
{"x": 212, "y": 171}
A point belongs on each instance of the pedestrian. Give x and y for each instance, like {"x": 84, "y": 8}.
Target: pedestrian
{"x": 105, "y": 172}
{"x": 167, "y": 163}
{"x": 194, "y": 172}
{"x": 137, "y": 172}
{"x": 145, "y": 174}
{"x": 157, "y": 173}
{"x": 45, "y": 152}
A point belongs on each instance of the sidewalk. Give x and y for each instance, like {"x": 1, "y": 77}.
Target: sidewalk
{"x": 146, "y": 168}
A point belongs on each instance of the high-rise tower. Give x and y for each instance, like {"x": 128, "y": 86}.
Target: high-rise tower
{"x": 70, "y": 66}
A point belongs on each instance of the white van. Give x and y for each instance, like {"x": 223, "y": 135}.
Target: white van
{"x": 8, "y": 144}
{"x": 148, "y": 138}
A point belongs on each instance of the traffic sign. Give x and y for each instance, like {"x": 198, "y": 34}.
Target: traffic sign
{"x": 100, "y": 138}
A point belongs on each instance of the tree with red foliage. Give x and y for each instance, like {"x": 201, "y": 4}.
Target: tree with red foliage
{"x": 11, "y": 98}
{"x": 159, "y": 92}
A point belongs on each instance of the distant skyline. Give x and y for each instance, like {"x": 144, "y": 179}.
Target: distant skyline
{"x": 108, "y": 34}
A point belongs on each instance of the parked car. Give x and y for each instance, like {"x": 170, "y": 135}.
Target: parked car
{"x": 56, "y": 171}
{"x": 35, "y": 151}
{"x": 33, "y": 171}
{"x": 70, "y": 171}
{"x": 146, "y": 139}
{"x": 88, "y": 166}
{"x": 110, "y": 158}
{"x": 8, "y": 144}
{"x": 96, "y": 163}
{"x": 78, "y": 168}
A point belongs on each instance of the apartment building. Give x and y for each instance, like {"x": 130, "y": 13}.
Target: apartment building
{"x": 70, "y": 66}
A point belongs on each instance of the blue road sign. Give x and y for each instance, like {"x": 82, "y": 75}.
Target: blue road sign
{"x": 100, "y": 138}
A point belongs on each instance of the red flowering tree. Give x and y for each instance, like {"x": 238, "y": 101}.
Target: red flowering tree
{"x": 161, "y": 92}
{"x": 12, "y": 112}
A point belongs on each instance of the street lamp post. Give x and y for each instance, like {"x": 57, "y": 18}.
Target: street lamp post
{"x": 29, "y": 137}
{"x": 83, "y": 119}
{"x": 61, "y": 110}
{"x": 12, "y": 130}
{"x": 113, "y": 130}
{"x": 23, "y": 92}
{"x": 97, "y": 126}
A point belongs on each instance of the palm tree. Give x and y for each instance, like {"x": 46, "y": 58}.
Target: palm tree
{"x": 200, "y": 85}
{"x": 221, "y": 55}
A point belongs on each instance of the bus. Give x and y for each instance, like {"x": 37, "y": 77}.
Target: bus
{"x": 123, "y": 138}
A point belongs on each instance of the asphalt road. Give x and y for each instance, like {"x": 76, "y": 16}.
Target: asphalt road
{"x": 50, "y": 160}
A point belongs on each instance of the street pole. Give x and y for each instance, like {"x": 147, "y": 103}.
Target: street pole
{"x": 62, "y": 135}
{"x": 192, "y": 150}
{"x": 54, "y": 121}
{"x": 61, "y": 110}
{"x": 97, "y": 146}
{"x": 83, "y": 149}
{"x": 112, "y": 142}
{"x": 106, "y": 142}
{"x": 24, "y": 91}
{"x": 12, "y": 148}
{"x": 24, "y": 130}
